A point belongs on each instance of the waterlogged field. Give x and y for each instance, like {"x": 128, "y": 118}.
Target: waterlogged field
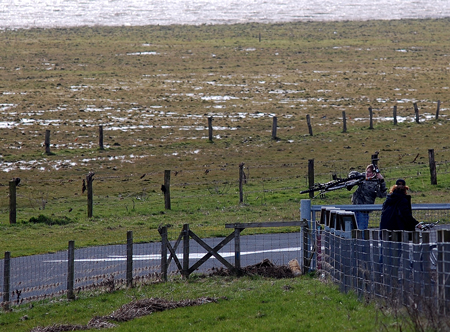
{"x": 153, "y": 88}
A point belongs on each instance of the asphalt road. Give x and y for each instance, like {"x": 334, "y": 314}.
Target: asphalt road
{"x": 46, "y": 275}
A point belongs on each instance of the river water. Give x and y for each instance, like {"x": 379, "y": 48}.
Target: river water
{"x": 69, "y": 13}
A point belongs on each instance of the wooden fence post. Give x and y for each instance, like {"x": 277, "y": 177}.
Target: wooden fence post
{"x": 90, "y": 194}
{"x": 166, "y": 190}
{"x": 308, "y": 121}
{"x": 130, "y": 259}
{"x": 437, "y": 109}
{"x": 12, "y": 202}
{"x": 210, "y": 129}
{"x": 6, "y": 280}
{"x": 241, "y": 180}
{"x": 47, "y": 142}
{"x": 416, "y": 111}
{"x": 164, "y": 242}
{"x": 395, "y": 115}
{"x": 344, "y": 128}
{"x": 185, "y": 272}
{"x": 371, "y": 118}
{"x": 274, "y": 127}
{"x": 100, "y": 137}
{"x": 311, "y": 176}
{"x": 71, "y": 270}
{"x": 432, "y": 166}
{"x": 237, "y": 249}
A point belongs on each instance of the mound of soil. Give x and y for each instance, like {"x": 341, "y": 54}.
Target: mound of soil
{"x": 265, "y": 269}
{"x": 145, "y": 307}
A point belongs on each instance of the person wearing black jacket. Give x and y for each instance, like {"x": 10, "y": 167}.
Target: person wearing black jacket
{"x": 397, "y": 212}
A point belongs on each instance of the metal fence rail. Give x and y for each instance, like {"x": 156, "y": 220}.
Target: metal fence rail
{"x": 426, "y": 212}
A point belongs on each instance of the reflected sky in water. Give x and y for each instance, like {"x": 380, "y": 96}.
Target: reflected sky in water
{"x": 68, "y": 13}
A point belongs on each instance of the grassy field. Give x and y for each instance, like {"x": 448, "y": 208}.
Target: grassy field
{"x": 152, "y": 89}
{"x": 243, "y": 304}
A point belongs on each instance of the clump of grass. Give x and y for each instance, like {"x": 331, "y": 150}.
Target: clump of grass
{"x": 41, "y": 219}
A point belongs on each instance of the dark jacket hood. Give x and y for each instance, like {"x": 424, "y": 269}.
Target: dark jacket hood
{"x": 395, "y": 197}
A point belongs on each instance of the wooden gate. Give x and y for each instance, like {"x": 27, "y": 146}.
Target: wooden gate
{"x": 186, "y": 234}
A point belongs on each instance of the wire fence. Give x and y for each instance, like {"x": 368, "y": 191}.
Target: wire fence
{"x": 105, "y": 268}
{"x": 405, "y": 268}
{"x": 96, "y": 268}
{"x": 141, "y": 193}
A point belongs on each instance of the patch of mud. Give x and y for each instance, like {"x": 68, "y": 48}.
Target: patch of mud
{"x": 126, "y": 313}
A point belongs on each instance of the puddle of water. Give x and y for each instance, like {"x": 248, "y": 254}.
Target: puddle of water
{"x": 143, "y": 53}
{"x": 219, "y": 98}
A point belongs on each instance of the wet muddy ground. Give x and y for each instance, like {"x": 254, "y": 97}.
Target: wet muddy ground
{"x": 153, "y": 88}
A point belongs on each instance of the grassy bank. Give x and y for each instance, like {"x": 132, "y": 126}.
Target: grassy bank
{"x": 247, "y": 304}
{"x": 153, "y": 88}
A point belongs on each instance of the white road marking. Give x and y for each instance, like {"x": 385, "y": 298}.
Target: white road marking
{"x": 115, "y": 258}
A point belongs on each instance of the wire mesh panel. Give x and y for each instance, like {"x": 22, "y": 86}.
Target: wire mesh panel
{"x": 35, "y": 277}
{"x": 100, "y": 266}
{"x": 42, "y": 276}
{"x": 147, "y": 262}
{"x": 278, "y": 248}
{"x": 347, "y": 266}
{"x": 106, "y": 266}
{"x": 400, "y": 267}
{"x": 443, "y": 273}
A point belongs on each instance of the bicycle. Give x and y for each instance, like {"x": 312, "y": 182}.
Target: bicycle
{"x": 426, "y": 226}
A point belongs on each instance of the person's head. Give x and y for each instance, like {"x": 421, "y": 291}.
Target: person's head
{"x": 399, "y": 187}
{"x": 370, "y": 171}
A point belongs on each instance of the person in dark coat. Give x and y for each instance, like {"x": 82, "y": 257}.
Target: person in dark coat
{"x": 397, "y": 212}
{"x": 368, "y": 190}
